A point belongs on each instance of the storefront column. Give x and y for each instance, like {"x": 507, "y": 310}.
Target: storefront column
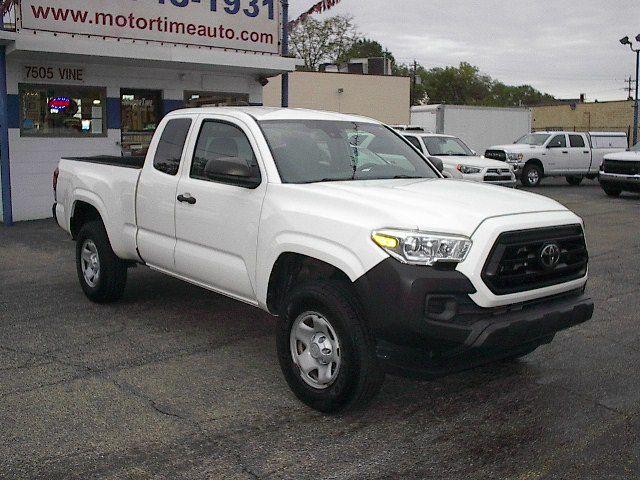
{"x": 5, "y": 171}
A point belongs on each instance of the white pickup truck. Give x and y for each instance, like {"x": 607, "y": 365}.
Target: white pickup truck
{"x": 372, "y": 260}
{"x": 621, "y": 172}
{"x": 572, "y": 155}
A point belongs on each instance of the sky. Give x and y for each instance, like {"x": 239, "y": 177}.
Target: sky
{"x": 561, "y": 47}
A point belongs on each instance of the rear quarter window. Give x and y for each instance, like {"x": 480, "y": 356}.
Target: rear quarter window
{"x": 170, "y": 146}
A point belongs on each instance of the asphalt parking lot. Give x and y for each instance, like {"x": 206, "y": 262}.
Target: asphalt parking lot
{"x": 175, "y": 382}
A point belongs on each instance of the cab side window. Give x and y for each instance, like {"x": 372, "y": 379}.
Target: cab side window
{"x": 576, "y": 141}
{"x": 223, "y": 154}
{"x": 559, "y": 141}
{"x": 415, "y": 142}
{"x": 170, "y": 146}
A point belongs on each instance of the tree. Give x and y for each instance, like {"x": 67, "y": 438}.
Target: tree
{"x": 317, "y": 42}
{"x": 465, "y": 85}
{"x": 366, "y": 48}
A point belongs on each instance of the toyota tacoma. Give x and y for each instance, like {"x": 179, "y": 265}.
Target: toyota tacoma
{"x": 372, "y": 260}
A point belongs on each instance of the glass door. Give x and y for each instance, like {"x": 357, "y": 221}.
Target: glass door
{"x": 140, "y": 113}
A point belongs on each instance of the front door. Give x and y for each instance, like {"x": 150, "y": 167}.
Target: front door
{"x": 579, "y": 153}
{"x": 216, "y": 218}
{"x": 557, "y": 155}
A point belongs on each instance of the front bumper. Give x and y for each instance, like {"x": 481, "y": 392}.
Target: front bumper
{"x": 630, "y": 183}
{"x": 426, "y": 324}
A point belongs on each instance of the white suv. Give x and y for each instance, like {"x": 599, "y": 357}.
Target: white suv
{"x": 459, "y": 161}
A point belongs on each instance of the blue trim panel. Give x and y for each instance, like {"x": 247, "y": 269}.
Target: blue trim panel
{"x": 13, "y": 111}
{"x": 114, "y": 120}
{"x": 5, "y": 165}
{"x": 171, "y": 105}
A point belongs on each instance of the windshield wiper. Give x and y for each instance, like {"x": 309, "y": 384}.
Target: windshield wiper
{"x": 405, "y": 176}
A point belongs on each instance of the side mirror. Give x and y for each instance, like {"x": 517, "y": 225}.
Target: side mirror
{"x": 232, "y": 170}
{"x": 437, "y": 163}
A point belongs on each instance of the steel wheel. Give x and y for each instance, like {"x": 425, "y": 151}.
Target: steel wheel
{"x": 533, "y": 176}
{"x": 315, "y": 349}
{"x": 90, "y": 263}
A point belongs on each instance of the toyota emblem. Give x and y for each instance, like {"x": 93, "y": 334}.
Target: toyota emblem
{"x": 550, "y": 256}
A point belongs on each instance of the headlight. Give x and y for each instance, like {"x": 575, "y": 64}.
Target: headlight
{"x": 514, "y": 157}
{"x": 422, "y": 248}
{"x": 466, "y": 169}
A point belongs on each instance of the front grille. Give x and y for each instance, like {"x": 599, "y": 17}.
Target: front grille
{"x": 496, "y": 155}
{"x": 515, "y": 263}
{"x": 497, "y": 178}
{"x": 621, "y": 167}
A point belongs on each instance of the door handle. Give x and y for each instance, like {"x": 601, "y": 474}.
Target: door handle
{"x": 565, "y": 151}
{"x": 186, "y": 197}
{"x": 585, "y": 151}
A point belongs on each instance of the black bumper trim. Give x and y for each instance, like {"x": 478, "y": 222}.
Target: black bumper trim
{"x": 488, "y": 340}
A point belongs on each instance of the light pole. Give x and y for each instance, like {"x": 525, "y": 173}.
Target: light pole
{"x": 626, "y": 41}
{"x": 285, "y": 52}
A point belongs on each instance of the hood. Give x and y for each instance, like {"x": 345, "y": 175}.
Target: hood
{"x": 437, "y": 205}
{"x": 473, "y": 161}
{"x": 515, "y": 147}
{"x": 629, "y": 156}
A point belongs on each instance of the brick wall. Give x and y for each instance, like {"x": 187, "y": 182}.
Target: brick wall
{"x": 601, "y": 116}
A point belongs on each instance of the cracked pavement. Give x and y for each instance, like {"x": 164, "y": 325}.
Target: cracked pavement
{"x": 175, "y": 382}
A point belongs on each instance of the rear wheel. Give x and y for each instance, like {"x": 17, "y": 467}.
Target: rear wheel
{"x": 101, "y": 273}
{"x": 574, "y": 180}
{"x": 326, "y": 350}
{"x": 611, "y": 190}
{"x": 531, "y": 175}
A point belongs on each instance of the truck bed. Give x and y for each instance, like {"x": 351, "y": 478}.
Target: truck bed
{"x": 116, "y": 161}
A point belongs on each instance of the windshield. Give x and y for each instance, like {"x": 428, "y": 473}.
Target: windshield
{"x": 533, "y": 139}
{"x": 308, "y": 151}
{"x": 446, "y": 146}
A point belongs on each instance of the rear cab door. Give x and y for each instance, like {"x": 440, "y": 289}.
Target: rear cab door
{"x": 156, "y": 191}
{"x": 220, "y": 195}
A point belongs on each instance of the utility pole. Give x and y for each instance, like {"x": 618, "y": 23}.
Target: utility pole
{"x": 285, "y": 52}
{"x": 414, "y": 82}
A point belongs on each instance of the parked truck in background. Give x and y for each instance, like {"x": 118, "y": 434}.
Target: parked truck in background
{"x": 572, "y": 155}
{"x": 480, "y": 127}
{"x": 372, "y": 260}
{"x": 620, "y": 172}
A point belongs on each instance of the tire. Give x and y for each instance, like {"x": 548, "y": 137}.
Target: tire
{"x": 531, "y": 175}
{"x": 352, "y": 374}
{"x": 110, "y": 276}
{"x": 611, "y": 190}
{"x": 574, "y": 180}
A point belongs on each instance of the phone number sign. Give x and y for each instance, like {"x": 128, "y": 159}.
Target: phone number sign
{"x": 252, "y": 25}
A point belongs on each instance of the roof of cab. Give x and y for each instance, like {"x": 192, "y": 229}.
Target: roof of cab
{"x": 276, "y": 113}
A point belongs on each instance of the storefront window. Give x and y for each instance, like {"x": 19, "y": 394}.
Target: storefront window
{"x": 219, "y": 99}
{"x": 140, "y": 112}
{"x": 62, "y": 111}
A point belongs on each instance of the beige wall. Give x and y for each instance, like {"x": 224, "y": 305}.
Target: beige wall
{"x": 384, "y": 98}
{"x": 603, "y": 116}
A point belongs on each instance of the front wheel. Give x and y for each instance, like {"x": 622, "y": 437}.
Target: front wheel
{"x": 101, "y": 273}
{"x": 531, "y": 175}
{"x": 325, "y": 349}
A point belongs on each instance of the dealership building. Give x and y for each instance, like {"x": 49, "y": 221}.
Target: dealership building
{"x": 88, "y": 77}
